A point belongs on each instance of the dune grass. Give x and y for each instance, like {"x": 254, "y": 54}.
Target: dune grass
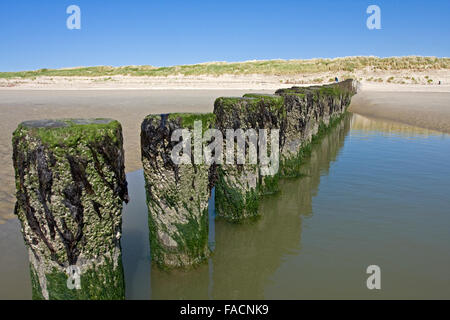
{"x": 265, "y": 67}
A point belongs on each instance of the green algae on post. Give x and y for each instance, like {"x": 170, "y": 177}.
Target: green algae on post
{"x": 177, "y": 194}
{"x": 240, "y": 186}
{"x": 310, "y": 110}
{"x": 70, "y": 180}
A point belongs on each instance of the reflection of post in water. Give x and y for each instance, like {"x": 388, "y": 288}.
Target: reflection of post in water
{"x": 247, "y": 255}
{"x": 299, "y": 193}
{"x": 326, "y": 151}
{"x": 180, "y": 284}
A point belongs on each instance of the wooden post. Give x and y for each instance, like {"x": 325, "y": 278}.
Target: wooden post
{"x": 71, "y": 185}
{"x": 177, "y": 193}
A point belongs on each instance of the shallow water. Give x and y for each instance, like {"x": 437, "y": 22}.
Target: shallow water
{"x": 374, "y": 192}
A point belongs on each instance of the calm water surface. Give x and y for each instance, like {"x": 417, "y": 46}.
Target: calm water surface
{"x": 374, "y": 192}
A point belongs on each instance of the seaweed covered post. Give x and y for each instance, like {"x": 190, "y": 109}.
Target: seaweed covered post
{"x": 177, "y": 192}
{"x": 310, "y": 111}
{"x": 70, "y": 180}
{"x": 239, "y": 186}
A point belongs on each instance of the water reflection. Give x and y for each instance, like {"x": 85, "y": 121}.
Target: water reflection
{"x": 135, "y": 240}
{"x": 371, "y": 125}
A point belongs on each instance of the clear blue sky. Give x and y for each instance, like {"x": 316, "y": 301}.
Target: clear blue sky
{"x": 33, "y": 34}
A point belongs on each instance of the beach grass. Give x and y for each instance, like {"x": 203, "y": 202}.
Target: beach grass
{"x": 263, "y": 67}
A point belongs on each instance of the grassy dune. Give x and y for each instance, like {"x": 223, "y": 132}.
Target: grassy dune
{"x": 266, "y": 67}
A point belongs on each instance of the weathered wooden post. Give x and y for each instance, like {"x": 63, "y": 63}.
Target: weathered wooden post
{"x": 310, "y": 111}
{"x": 301, "y": 122}
{"x": 177, "y": 192}
{"x": 70, "y": 180}
{"x": 240, "y": 185}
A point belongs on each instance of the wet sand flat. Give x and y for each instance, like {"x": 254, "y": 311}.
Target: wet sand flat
{"x": 128, "y": 106}
{"x": 429, "y": 110}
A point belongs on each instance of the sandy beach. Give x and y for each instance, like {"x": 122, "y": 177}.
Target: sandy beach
{"x": 418, "y": 105}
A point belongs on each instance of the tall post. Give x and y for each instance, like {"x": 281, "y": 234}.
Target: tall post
{"x": 177, "y": 191}
{"x": 70, "y": 179}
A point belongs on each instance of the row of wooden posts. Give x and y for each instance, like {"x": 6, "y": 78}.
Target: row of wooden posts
{"x": 71, "y": 186}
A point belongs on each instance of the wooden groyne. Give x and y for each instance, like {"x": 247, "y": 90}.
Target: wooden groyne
{"x": 71, "y": 184}
{"x": 177, "y": 194}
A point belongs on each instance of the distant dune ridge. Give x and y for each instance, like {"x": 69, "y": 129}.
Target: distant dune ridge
{"x": 265, "y": 67}
{"x": 263, "y": 74}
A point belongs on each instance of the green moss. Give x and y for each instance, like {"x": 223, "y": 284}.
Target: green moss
{"x": 233, "y": 204}
{"x": 36, "y": 290}
{"x": 276, "y": 100}
{"x": 274, "y": 104}
{"x": 293, "y": 92}
{"x": 227, "y": 104}
{"x": 250, "y": 103}
{"x": 192, "y": 236}
{"x": 72, "y": 134}
{"x": 333, "y": 91}
{"x": 270, "y": 185}
{"x": 187, "y": 119}
{"x": 290, "y": 166}
{"x": 104, "y": 282}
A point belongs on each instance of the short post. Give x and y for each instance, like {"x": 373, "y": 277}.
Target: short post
{"x": 71, "y": 185}
{"x": 178, "y": 188}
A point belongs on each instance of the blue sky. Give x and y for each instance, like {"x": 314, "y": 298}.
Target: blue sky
{"x": 33, "y": 34}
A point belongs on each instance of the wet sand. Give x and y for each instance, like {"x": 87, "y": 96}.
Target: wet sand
{"x": 127, "y": 106}
{"x": 428, "y": 110}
